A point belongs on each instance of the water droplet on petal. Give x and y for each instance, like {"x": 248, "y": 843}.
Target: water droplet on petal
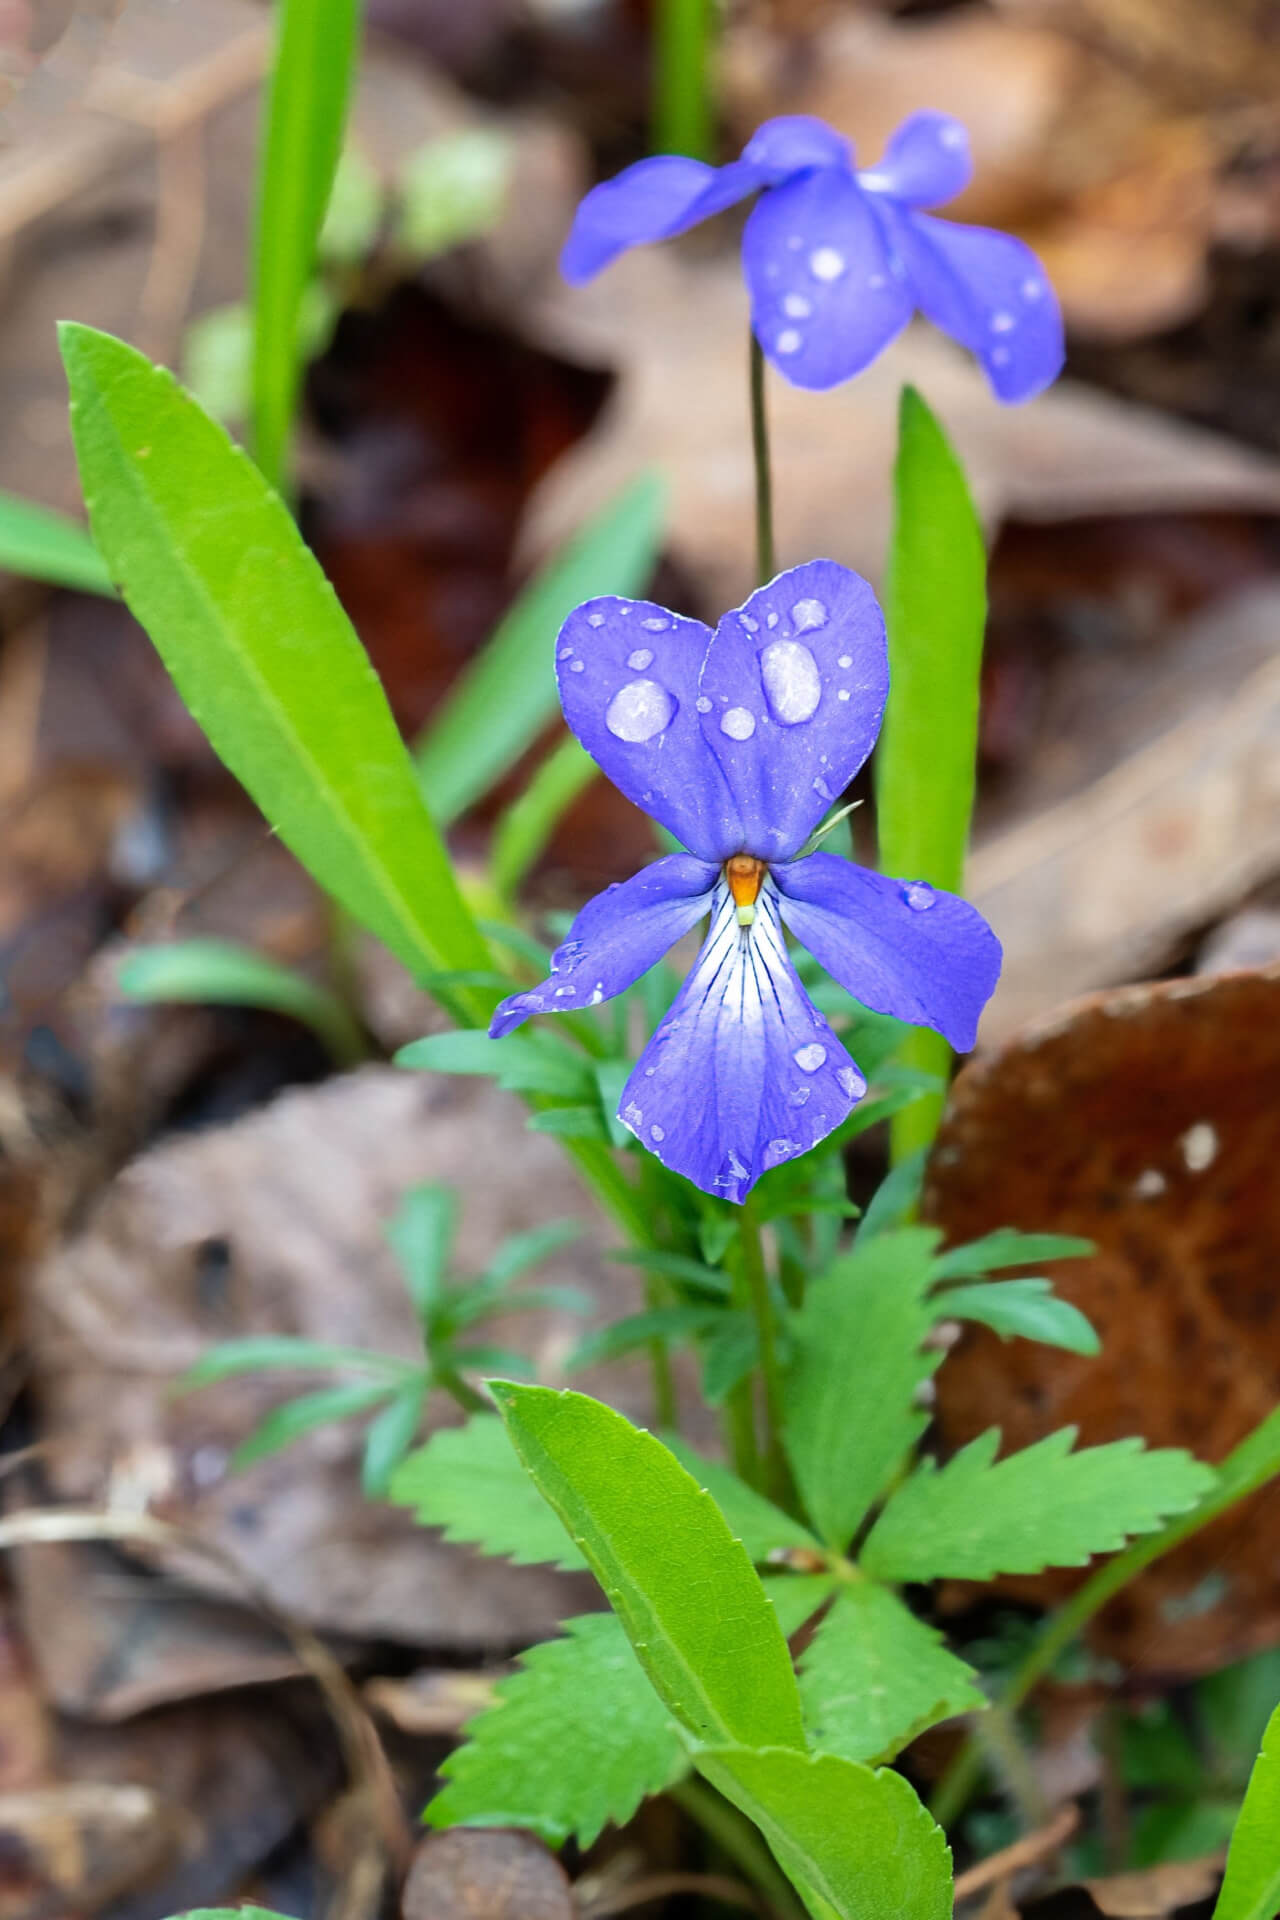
{"x": 845, "y": 660}
{"x": 843, "y": 694}
{"x": 809, "y": 1058}
{"x": 702, "y": 703}
{"x": 577, "y": 666}
{"x": 656, "y": 1132}
{"x": 851, "y": 1081}
{"x": 951, "y": 136}
{"x": 1003, "y": 322}
{"x": 595, "y": 619}
{"x": 808, "y": 614}
{"x": 778, "y": 1150}
{"x": 597, "y": 995}
{"x": 632, "y": 1114}
{"x": 640, "y": 659}
{"x": 796, "y": 307}
{"x": 739, "y": 723}
{"x": 788, "y": 341}
{"x": 655, "y": 625}
{"x": 919, "y": 895}
{"x": 565, "y": 653}
{"x": 791, "y": 680}
{"x": 1032, "y": 288}
{"x": 826, "y": 264}
{"x": 822, "y": 790}
{"x": 752, "y": 626}
{"x": 639, "y": 711}
{"x": 771, "y": 620}
{"x": 798, "y": 1096}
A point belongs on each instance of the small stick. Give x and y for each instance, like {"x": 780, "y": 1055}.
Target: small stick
{"x": 1032, "y": 1847}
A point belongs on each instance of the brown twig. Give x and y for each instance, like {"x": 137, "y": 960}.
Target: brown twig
{"x": 1027, "y": 1852}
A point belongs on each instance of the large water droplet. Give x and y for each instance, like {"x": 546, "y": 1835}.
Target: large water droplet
{"x": 799, "y": 1096}
{"x": 807, "y": 614}
{"x": 655, "y": 624}
{"x": 809, "y": 1058}
{"x": 640, "y": 659}
{"x": 791, "y": 680}
{"x": 845, "y": 660}
{"x": 919, "y": 895}
{"x": 639, "y": 711}
{"x": 826, "y": 264}
{"x": 851, "y": 1081}
{"x": 739, "y": 723}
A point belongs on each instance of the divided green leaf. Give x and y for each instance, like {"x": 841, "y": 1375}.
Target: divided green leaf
{"x": 873, "y": 1676}
{"x": 469, "y": 1481}
{"x": 1009, "y": 1247}
{"x": 1021, "y": 1309}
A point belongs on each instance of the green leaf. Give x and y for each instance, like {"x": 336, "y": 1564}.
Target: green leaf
{"x": 576, "y": 1738}
{"x": 1251, "y": 1888}
{"x": 857, "y": 1365}
{"x": 452, "y": 189}
{"x": 507, "y": 694}
{"x": 42, "y": 545}
{"x": 682, "y": 1586}
{"x": 306, "y": 110}
{"x": 570, "y": 1123}
{"x": 211, "y": 564}
{"x": 282, "y": 1352}
{"x": 1042, "y": 1507}
{"x": 1232, "y": 1706}
{"x": 421, "y": 1234}
{"x": 873, "y": 1676}
{"x": 729, "y": 1352}
{"x": 1021, "y": 1309}
{"x": 231, "y": 1913}
{"x": 935, "y": 609}
{"x": 523, "y": 1250}
{"x": 390, "y": 1437}
{"x": 289, "y": 1422}
{"x": 796, "y": 1597}
{"x": 209, "y": 972}
{"x": 354, "y": 212}
{"x": 469, "y": 1482}
{"x": 217, "y": 350}
{"x": 762, "y": 1528}
{"x": 523, "y": 1063}
{"x": 639, "y": 1330}
{"x": 857, "y": 1844}
{"x": 896, "y": 1198}
{"x": 675, "y": 1266}
{"x": 1009, "y": 1247}
{"x": 523, "y": 832}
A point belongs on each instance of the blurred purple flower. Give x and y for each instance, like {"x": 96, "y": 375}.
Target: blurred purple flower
{"x": 836, "y": 261}
{"x": 738, "y": 742}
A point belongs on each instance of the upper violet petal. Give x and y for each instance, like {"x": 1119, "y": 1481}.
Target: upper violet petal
{"x": 824, "y": 298}
{"x": 744, "y": 1072}
{"x": 796, "y": 680}
{"x": 989, "y": 292}
{"x": 900, "y": 947}
{"x": 795, "y": 143}
{"x": 653, "y": 200}
{"x": 618, "y": 936}
{"x": 926, "y": 162}
{"x": 628, "y": 674}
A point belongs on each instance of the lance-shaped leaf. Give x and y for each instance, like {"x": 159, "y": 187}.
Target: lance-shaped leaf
{"x": 1043, "y": 1507}
{"x": 1009, "y": 1247}
{"x": 1251, "y": 1888}
{"x": 857, "y": 1844}
{"x": 874, "y": 1676}
{"x": 858, "y": 1362}
{"x": 469, "y": 1481}
{"x": 682, "y": 1586}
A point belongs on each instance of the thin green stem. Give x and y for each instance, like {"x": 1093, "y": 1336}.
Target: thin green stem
{"x": 757, "y": 1280}
{"x": 682, "y": 106}
{"x": 738, "y": 1420}
{"x": 666, "y": 1412}
{"x": 460, "y": 1393}
{"x": 1248, "y": 1467}
{"x": 766, "y": 565}
{"x": 739, "y": 1841}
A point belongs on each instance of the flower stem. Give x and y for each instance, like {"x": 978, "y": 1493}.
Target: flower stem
{"x": 682, "y": 111}
{"x": 738, "y": 1839}
{"x": 766, "y": 565}
{"x": 757, "y": 1279}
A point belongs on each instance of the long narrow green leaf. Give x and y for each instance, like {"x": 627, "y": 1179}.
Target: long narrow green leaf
{"x": 298, "y": 1417}
{"x": 507, "y": 694}
{"x": 207, "y": 972}
{"x": 935, "y": 609}
{"x": 42, "y": 545}
{"x": 524, "y": 830}
{"x": 1251, "y": 1888}
{"x": 305, "y": 112}
{"x": 211, "y": 564}
{"x": 682, "y": 1586}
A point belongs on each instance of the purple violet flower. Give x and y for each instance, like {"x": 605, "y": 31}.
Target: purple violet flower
{"x": 738, "y": 742}
{"x": 836, "y": 261}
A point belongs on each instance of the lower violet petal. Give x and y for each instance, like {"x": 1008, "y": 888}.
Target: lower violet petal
{"x": 744, "y": 1072}
{"x": 900, "y": 947}
{"x": 618, "y": 936}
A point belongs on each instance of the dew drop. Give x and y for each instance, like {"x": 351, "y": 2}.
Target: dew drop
{"x": 771, "y": 620}
{"x": 843, "y": 694}
{"x": 796, "y": 307}
{"x": 739, "y": 723}
{"x": 845, "y": 660}
{"x": 798, "y": 1096}
{"x": 1003, "y": 322}
{"x": 795, "y": 241}
{"x": 791, "y": 680}
{"x": 702, "y": 703}
{"x": 919, "y": 896}
{"x": 809, "y": 1058}
{"x": 565, "y": 653}
{"x": 788, "y": 341}
{"x": 1032, "y": 289}
{"x": 655, "y": 625}
{"x": 807, "y": 614}
{"x": 778, "y": 1150}
{"x": 577, "y": 666}
{"x": 595, "y": 619}
{"x": 851, "y": 1081}
{"x": 822, "y": 790}
{"x": 951, "y": 136}
{"x": 752, "y": 626}
{"x": 632, "y": 1114}
{"x": 640, "y": 659}
{"x": 656, "y": 1132}
{"x": 826, "y": 264}
{"x": 639, "y": 711}
{"x": 597, "y": 995}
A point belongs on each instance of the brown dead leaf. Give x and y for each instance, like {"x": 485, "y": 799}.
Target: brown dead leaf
{"x": 494, "y": 1874}
{"x": 1154, "y": 1892}
{"x": 1145, "y": 1120}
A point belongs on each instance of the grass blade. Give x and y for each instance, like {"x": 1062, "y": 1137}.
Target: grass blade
{"x": 208, "y": 972}
{"x": 42, "y": 545}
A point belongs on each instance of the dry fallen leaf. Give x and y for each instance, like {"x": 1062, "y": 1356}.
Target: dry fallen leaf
{"x": 1144, "y": 1119}
{"x": 494, "y": 1874}
{"x": 1154, "y": 1892}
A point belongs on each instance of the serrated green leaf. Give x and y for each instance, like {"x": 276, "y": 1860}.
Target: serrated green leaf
{"x": 209, "y": 972}
{"x": 762, "y": 1528}
{"x": 283, "y": 1352}
{"x": 469, "y": 1481}
{"x": 390, "y": 1437}
{"x": 420, "y": 1233}
{"x": 289, "y": 1422}
{"x": 857, "y": 1844}
{"x": 577, "y": 1738}
{"x": 1042, "y": 1507}
{"x": 639, "y": 1330}
{"x": 523, "y": 1250}
{"x": 523, "y": 1063}
{"x": 210, "y": 562}
{"x": 682, "y": 1586}
{"x": 796, "y": 1597}
{"x": 1021, "y": 1309}
{"x": 857, "y": 1364}
{"x": 42, "y": 545}
{"x": 873, "y": 1676}
{"x": 1251, "y": 1887}
{"x": 1009, "y": 1247}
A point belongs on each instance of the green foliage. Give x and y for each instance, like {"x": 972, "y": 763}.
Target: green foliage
{"x": 1026, "y": 1309}
{"x": 209, "y": 561}
{"x": 525, "y": 828}
{"x": 857, "y": 1844}
{"x": 535, "y": 1062}
{"x": 1009, "y": 1247}
{"x": 42, "y": 545}
{"x": 209, "y": 972}
{"x": 873, "y": 1676}
{"x": 453, "y": 188}
{"x": 1044, "y": 1506}
{"x": 1251, "y": 1888}
{"x": 275, "y": 1352}
{"x": 858, "y": 1364}
{"x": 469, "y": 1482}
{"x": 682, "y": 1586}
{"x": 421, "y": 1236}
{"x": 762, "y": 1528}
{"x": 935, "y": 610}
{"x": 576, "y": 1738}
{"x": 289, "y": 1422}
{"x": 507, "y": 694}
{"x": 305, "y": 113}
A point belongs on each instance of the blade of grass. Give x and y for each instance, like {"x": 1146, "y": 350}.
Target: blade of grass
{"x": 524, "y": 830}
{"x": 210, "y": 972}
{"x": 47, "y": 546}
